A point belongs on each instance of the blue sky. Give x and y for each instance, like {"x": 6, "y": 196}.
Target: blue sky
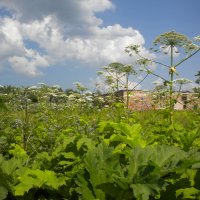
{"x": 62, "y": 42}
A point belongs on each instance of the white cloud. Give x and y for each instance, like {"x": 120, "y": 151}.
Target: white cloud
{"x": 97, "y": 5}
{"x": 158, "y": 81}
{"x": 29, "y": 63}
{"x": 63, "y": 30}
{"x": 13, "y": 49}
{"x": 189, "y": 87}
{"x": 69, "y": 12}
{"x": 104, "y": 46}
{"x": 11, "y": 39}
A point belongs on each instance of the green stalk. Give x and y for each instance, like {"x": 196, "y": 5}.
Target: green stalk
{"x": 171, "y": 104}
{"x": 127, "y": 93}
{"x": 117, "y": 86}
{"x": 25, "y": 126}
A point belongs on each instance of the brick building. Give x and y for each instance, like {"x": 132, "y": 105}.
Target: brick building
{"x": 147, "y": 100}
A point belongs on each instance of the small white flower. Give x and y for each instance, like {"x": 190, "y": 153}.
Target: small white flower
{"x": 130, "y": 95}
{"x": 40, "y": 83}
{"x": 154, "y": 96}
{"x": 182, "y": 81}
{"x": 32, "y": 87}
{"x": 197, "y": 38}
{"x": 71, "y": 96}
{"x": 63, "y": 95}
{"x": 101, "y": 99}
{"x": 88, "y": 98}
{"x": 44, "y": 97}
{"x": 88, "y": 93}
{"x": 56, "y": 86}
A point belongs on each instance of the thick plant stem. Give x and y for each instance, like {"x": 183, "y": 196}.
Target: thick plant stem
{"x": 127, "y": 92}
{"x": 171, "y": 103}
{"x": 117, "y": 86}
{"x": 117, "y": 82}
{"x": 25, "y": 126}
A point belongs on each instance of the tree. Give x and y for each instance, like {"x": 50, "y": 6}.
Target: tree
{"x": 198, "y": 78}
{"x": 197, "y": 89}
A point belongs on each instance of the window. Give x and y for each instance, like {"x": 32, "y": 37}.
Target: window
{"x": 184, "y": 98}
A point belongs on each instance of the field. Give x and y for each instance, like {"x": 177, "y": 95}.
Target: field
{"x": 124, "y": 121}
{"x": 72, "y": 146}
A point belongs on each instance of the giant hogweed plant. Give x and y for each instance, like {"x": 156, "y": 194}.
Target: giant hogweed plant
{"x": 169, "y": 43}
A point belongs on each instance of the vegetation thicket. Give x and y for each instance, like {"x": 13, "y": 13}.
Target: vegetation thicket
{"x": 70, "y": 145}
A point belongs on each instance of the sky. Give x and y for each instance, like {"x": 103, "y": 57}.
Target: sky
{"x": 66, "y": 41}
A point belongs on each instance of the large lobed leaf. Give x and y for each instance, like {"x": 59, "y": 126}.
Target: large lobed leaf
{"x": 38, "y": 179}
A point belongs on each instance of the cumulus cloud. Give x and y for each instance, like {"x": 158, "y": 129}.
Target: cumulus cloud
{"x": 69, "y": 12}
{"x": 11, "y": 39}
{"x": 63, "y": 31}
{"x": 28, "y": 64}
{"x": 13, "y": 49}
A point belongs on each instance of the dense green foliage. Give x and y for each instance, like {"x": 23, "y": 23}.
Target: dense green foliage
{"x": 81, "y": 146}
{"x": 76, "y": 145}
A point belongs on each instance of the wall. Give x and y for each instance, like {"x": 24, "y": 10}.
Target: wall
{"x": 146, "y": 100}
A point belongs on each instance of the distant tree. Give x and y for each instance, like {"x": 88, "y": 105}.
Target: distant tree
{"x": 197, "y": 89}
{"x": 9, "y": 89}
{"x": 70, "y": 91}
{"x": 198, "y": 77}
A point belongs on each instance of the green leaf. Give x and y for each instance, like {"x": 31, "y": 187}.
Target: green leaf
{"x": 166, "y": 158}
{"x": 69, "y": 155}
{"x": 148, "y": 167}
{"x": 143, "y": 191}
{"x": 100, "y": 165}
{"x": 62, "y": 143}
{"x": 190, "y": 174}
{"x": 123, "y": 133}
{"x": 188, "y": 193}
{"x": 38, "y": 179}
{"x": 3, "y": 192}
{"x": 64, "y": 162}
{"x": 115, "y": 191}
{"x": 8, "y": 174}
{"x": 89, "y": 143}
{"x": 18, "y": 152}
{"x": 84, "y": 189}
